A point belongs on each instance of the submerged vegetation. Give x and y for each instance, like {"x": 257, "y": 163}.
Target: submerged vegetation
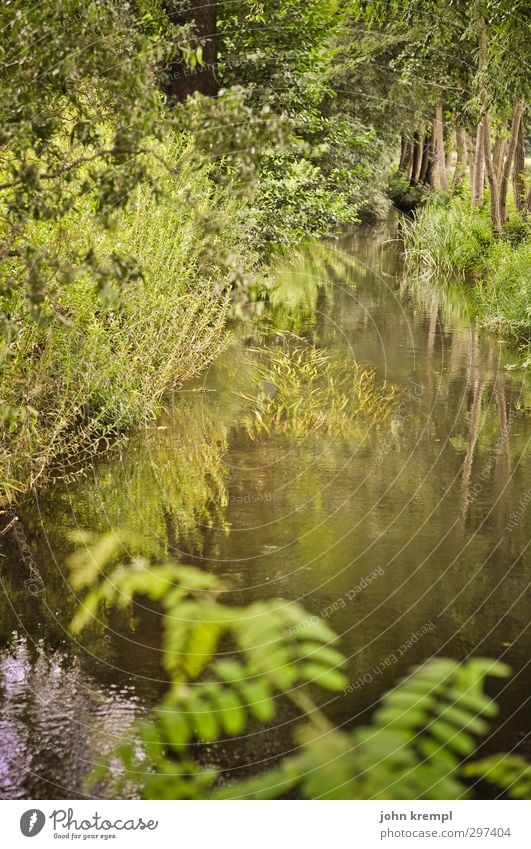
{"x": 301, "y": 391}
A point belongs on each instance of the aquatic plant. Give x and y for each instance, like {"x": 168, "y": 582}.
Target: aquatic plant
{"x": 303, "y": 390}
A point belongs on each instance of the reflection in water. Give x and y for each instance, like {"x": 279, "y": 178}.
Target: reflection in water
{"x": 55, "y": 721}
{"x": 426, "y": 506}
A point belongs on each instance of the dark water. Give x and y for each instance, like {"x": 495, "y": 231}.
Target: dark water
{"x": 415, "y": 531}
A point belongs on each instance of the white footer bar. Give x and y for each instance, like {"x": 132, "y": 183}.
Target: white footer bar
{"x": 266, "y": 825}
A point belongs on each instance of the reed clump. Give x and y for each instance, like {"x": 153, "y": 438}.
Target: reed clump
{"x": 302, "y": 390}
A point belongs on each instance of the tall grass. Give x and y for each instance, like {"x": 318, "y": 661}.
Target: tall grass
{"x": 452, "y": 241}
{"x": 449, "y": 238}
{"x": 69, "y": 387}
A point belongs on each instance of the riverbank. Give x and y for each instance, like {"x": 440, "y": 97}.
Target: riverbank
{"x": 91, "y": 359}
{"x": 448, "y": 240}
{"x": 75, "y": 382}
{"x": 137, "y": 197}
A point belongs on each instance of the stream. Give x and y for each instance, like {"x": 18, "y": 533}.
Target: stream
{"x": 408, "y": 538}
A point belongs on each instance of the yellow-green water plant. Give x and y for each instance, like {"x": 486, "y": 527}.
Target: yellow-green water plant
{"x": 232, "y": 669}
{"x": 301, "y": 390}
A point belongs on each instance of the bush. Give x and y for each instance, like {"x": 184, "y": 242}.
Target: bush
{"x": 504, "y": 296}
{"x": 113, "y": 349}
{"x": 405, "y": 196}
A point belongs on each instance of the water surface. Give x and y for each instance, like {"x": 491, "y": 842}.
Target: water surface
{"x": 410, "y": 539}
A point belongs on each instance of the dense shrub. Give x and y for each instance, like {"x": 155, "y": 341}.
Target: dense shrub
{"x": 103, "y": 364}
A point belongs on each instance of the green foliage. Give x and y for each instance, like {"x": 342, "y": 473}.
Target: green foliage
{"x": 510, "y": 772}
{"x": 232, "y": 668}
{"x": 504, "y": 296}
{"x": 104, "y": 368}
{"x": 404, "y": 195}
{"x": 283, "y": 55}
{"x": 449, "y": 238}
{"x": 281, "y": 51}
{"x": 79, "y": 103}
{"x": 226, "y": 666}
{"x": 124, "y": 223}
{"x": 440, "y": 50}
{"x": 293, "y": 202}
{"x": 413, "y": 748}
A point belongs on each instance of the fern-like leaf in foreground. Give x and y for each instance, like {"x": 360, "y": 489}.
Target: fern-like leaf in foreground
{"x": 229, "y": 669}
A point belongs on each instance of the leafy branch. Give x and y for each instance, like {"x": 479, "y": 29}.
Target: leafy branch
{"x": 230, "y": 668}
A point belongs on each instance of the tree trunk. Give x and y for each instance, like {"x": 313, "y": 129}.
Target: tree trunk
{"x": 470, "y": 157}
{"x": 509, "y": 159}
{"x": 402, "y": 159}
{"x": 498, "y": 156}
{"x": 519, "y": 169}
{"x": 483, "y": 136}
{"x": 440, "y": 179}
{"x": 406, "y": 157}
{"x": 426, "y": 162}
{"x": 181, "y": 80}
{"x": 478, "y": 170}
{"x": 417, "y": 157}
{"x": 462, "y": 154}
{"x": 495, "y": 211}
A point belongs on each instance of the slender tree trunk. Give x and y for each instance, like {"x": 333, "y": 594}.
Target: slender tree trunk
{"x": 519, "y": 169}
{"x": 495, "y": 213}
{"x": 440, "y": 178}
{"x": 484, "y": 134}
{"x": 509, "y": 159}
{"x": 478, "y": 170}
{"x": 470, "y": 157}
{"x": 417, "y": 157}
{"x": 404, "y": 145}
{"x": 406, "y": 157}
{"x": 498, "y": 156}
{"x": 422, "y": 139}
{"x": 426, "y": 162}
{"x": 182, "y": 81}
{"x": 460, "y": 165}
